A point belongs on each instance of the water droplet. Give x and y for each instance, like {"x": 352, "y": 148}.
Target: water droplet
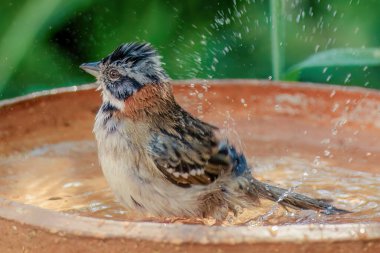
{"x": 273, "y": 230}
{"x": 335, "y": 107}
{"x": 199, "y": 108}
{"x": 325, "y": 141}
{"x": 317, "y": 161}
{"x": 348, "y": 78}
{"x": 298, "y": 18}
{"x": 72, "y": 184}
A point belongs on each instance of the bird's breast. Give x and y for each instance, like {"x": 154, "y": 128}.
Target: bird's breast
{"x": 133, "y": 176}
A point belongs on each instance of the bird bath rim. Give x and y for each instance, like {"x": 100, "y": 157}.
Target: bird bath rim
{"x": 55, "y": 222}
{"x": 174, "y": 233}
{"x": 250, "y": 82}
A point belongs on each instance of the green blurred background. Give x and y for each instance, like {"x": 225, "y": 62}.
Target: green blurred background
{"x": 43, "y": 42}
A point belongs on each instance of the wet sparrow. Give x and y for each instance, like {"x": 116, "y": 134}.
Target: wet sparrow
{"x": 160, "y": 159}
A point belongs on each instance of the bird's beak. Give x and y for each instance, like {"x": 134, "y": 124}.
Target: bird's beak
{"x": 91, "y": 68}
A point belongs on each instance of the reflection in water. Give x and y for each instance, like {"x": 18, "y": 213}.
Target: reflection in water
{"x": 66, "y": 177}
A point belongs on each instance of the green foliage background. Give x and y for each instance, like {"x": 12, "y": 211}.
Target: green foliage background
{"x": 42, "y": 42}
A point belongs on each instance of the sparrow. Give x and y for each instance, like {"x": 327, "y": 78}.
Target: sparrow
{"x": 159, "y": 159}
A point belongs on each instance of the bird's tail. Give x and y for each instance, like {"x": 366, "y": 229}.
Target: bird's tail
{"x": 277, "y": 194}
{"x": 292, "y": 199}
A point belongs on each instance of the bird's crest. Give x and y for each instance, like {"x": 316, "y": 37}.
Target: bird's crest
{"x": 131, "y": 52}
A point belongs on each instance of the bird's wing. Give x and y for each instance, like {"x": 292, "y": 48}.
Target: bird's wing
{"x": 187, "y": 152}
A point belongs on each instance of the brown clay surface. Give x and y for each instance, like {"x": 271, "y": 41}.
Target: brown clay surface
{"x": 268, "y": 119}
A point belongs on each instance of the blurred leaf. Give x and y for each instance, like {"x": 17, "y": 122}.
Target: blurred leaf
{"x": 341, "y": 57}
{"x": 26, "y": 25}
{"x": 198, "y": 39}
{"x": 61, "y": 71}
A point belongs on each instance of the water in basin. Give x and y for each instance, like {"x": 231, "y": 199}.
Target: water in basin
{"x": 66, "y": 177}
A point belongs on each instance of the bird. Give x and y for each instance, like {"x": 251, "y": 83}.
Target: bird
{"x": 159, "y": 159}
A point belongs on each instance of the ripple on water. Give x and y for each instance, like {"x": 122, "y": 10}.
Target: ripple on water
{"x": 66, "y": 177}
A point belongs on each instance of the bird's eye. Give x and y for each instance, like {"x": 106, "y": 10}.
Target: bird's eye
{"x": 114, "y": 74}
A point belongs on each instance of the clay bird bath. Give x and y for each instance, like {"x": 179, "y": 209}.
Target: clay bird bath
{"x": 321, "y": 140}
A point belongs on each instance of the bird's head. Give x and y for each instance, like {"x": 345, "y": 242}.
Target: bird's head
{"x": 127, "y": 70}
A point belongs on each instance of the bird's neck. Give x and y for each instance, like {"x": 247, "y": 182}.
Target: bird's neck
{"x": 148, "y": 101}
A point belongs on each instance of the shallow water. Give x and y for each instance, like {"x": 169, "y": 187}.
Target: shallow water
{"x": 66, "y": 177}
